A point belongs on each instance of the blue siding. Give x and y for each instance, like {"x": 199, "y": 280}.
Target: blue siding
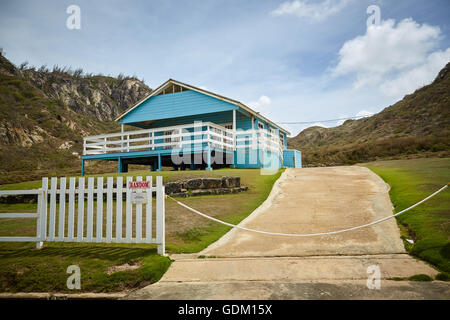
{"x": 256, "y": 159}
{"x": 292, "y": 158}
{"x": 242, "y": 122}
{"x": 173, "y": 105}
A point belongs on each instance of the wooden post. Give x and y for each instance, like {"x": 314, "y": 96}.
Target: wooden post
{"x": 234, "y": 129}
{"x": 122, "y": 130}
{"x": 53, "y": 186}
{"x": 90, "y": 209}
{"x": 208, "y": 157}
{"x": 42, "y": 219}
{"x": 138, "y": 216}
{"x": 109, "y": 209}
{"x": 71, "y": 219}
{"x": 129, "y": 212}
{"x": 119, "y": 186}
{"x": 99, "y": 226}
{"x": 208, "y": 150}
{"x": 80, "y": 228}
{"x": 148, "y": 212}
{"x": 160, "y": 216}
{"x": 159, "y": 162}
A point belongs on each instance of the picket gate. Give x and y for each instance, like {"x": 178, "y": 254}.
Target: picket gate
{"x": 111, "y": 213}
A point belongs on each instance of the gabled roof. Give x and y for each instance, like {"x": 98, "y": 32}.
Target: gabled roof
{"x": 212, "y": 94}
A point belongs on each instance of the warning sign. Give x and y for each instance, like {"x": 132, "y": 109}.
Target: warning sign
{"x": 139, "y": 184}
{"x": 138, "y": 197}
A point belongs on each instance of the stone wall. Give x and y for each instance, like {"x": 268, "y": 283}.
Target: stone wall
{"x": 205, "y": 186}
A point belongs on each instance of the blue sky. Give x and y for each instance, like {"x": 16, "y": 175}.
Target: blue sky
{"x": 295, "y": 60}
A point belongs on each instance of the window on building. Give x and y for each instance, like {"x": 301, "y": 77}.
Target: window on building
{"x": 260, "y": 125}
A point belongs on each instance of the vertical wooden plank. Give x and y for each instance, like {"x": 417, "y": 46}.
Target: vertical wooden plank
{"x": 53, "y": 186}
{"x": 129, "y": 212}
{"x": 90, "y": 210}
{"x": 99, "y": 224}
{"x": 62, "y": 208}
{"x": 43, "y": 217}
{"x": 148, "y": 213}
{"x": 160, "y": 215}
{"x": 109, "y": 209}
{"x": 71, "y": 221}
{"x": 80, "y": 227}
{"x": 139, "y": 216}
{"x": 40, "y": 199}
{"x": 119, "y": 209}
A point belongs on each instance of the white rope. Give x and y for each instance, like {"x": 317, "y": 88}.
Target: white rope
{"x": 308, "y": 234}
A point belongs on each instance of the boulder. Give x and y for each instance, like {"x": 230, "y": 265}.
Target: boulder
{"x": 212, "y": 183}
{"x": 224, "y": 190}
{"x": 173, "y": 187}
{"x": 231, "y": 182}
{"x": 201, "y": 192}
{"x": 196, "y": 183}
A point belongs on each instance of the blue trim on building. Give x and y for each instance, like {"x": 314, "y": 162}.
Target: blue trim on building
{"x": 292, "y": 158}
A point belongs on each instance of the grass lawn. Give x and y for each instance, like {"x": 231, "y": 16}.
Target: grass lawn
{"x": 429, "y": 223}
{"x": 24, "y": 269}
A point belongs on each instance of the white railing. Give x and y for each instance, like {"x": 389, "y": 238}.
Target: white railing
{"x": 259, "y": 139}
{"x": 183, "y": 137}
{"x": 127, "y": 219}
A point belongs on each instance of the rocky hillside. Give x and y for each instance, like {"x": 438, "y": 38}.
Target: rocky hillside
{"x": 418, "y": 125}
{"x": 44, "y": 115}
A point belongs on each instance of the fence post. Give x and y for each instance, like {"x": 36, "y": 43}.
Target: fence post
{"x": 160, "y": 216}
{"x": 41, "y": 220}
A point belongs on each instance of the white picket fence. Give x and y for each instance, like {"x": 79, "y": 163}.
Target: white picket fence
{"x": 82, "y": 218}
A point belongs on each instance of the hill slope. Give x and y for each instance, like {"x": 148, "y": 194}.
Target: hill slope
{"x": 44, "y": 115}
{"x": 419, "y": 124}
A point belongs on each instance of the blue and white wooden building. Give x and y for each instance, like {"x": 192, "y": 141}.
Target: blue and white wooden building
{"x": 183, "y": 126}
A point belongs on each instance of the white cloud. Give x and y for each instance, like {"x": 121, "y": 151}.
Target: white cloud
{"x": 262, "y": 105}
{"x": 419, "y": 76}
{"x": 396, "y": 58}
{"x": 308, "y": 10}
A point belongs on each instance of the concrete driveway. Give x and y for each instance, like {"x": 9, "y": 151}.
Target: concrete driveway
{"x": 245, "y": 265}
{"x": 313, "y": 200}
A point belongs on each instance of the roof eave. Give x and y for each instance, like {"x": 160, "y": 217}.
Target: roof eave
{"x": 217, "y": 96}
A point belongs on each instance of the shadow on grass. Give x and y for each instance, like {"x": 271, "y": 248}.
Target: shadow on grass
{"x": 91, "y": 252}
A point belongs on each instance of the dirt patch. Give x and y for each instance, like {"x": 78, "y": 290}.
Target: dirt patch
{"x": 123, "y": 267}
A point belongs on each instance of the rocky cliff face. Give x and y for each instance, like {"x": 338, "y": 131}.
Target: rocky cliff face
{"x": 99, "y": 97}
{"x": 45, "y": 114}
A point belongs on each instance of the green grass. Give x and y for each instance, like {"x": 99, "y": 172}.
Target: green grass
{"x": 420, "y": 277}
{"x": 24, "y": 269}
{"x": 429, "y": 223}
